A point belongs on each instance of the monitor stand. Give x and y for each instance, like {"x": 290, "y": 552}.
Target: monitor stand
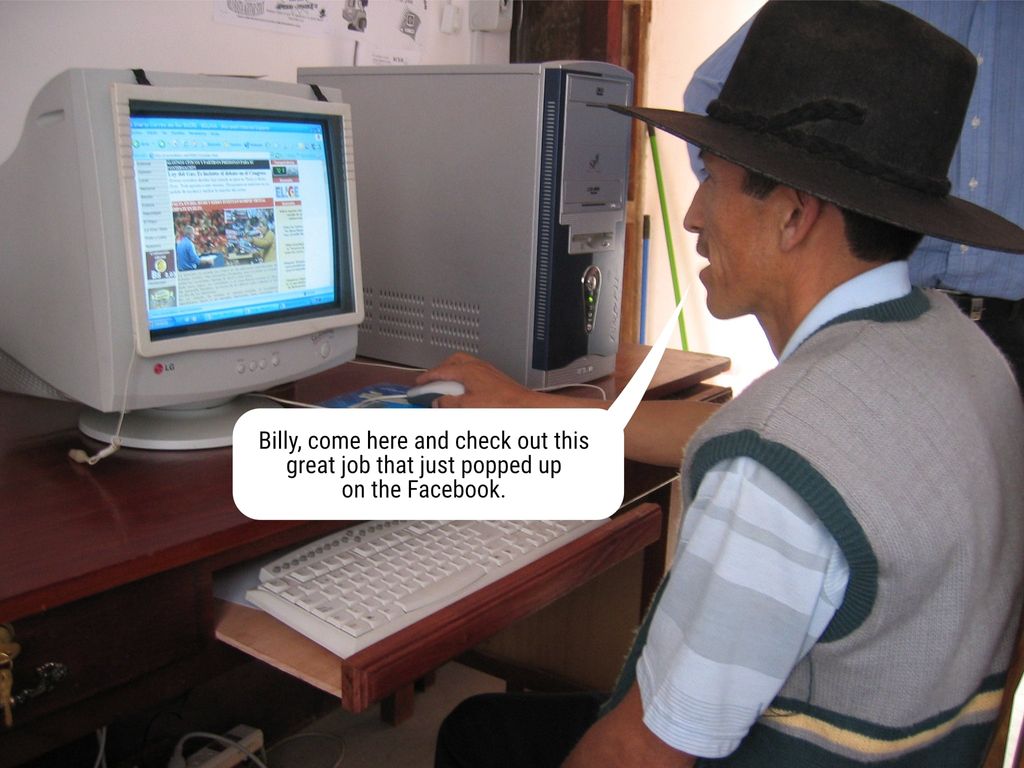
{"x": 179, "y": 428}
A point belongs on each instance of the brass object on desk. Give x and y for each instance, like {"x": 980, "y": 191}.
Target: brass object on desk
{"x": 6, "y": 685}
{"x": 8, "y": 650}
{"x": 7, "y": 644}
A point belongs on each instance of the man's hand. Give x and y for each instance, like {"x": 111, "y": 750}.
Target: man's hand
{"x": 655, "y": 435}
{"x": 620, "y": 738}
{"x": 486, "y": 386}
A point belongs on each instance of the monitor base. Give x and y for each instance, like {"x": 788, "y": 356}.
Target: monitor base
{"x": 171, "y": 429}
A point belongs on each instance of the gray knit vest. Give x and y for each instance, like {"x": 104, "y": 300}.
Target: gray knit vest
{"x": 901, "y": 427}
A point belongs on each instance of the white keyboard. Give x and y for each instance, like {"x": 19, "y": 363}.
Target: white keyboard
{"x": 348, "y": 590}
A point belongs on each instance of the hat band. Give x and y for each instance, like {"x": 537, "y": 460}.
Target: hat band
{"x": 781, "y": 126}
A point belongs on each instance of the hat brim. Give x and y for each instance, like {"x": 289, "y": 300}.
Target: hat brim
{"x": 950, "y": 218}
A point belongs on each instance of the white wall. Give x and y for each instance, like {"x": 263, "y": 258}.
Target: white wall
{"x": 683, "y": 34}
{"x": 41, "y": 38}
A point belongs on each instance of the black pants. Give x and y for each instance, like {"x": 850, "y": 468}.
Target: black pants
{"x": 509, "y": 730}
{"x": 1003, "y": 322}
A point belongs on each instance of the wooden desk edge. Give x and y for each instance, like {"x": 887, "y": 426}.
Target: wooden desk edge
{"x": 375, "y": 672}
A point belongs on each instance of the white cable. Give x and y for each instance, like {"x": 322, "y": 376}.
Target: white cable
{"x": 178, "y": 758}
{"x": 283, "y": 401}
{"x": 557, "y": 387}
{"x": 101, "y": 739}
{"x": 373, "y": 364}
{"x": 361, "y": 404}
{"x": 80, "y": 456}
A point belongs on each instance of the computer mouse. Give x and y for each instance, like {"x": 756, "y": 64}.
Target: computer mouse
{"x": 426, "y": 394}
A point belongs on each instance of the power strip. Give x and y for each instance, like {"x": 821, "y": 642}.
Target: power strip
{"x": 218, "y": 755}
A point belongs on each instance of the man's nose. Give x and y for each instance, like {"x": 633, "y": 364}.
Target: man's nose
{"x": 693, "y": 221}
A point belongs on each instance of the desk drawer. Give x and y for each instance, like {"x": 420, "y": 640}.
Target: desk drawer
{"x": 109, "y": 639}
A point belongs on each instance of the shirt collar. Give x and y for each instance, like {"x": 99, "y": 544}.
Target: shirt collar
{"x": 885, "y": 283}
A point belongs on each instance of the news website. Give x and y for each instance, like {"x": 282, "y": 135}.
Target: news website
{"x": 235, "y": 218}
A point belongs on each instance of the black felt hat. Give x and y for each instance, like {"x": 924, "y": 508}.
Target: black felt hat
{"x": 859, "y": 103}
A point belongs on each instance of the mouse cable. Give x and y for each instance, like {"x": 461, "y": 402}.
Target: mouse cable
{"x": 361, "y": 404}
{"x": 379, "y": 399}
{"x": 281, "y": 400}
{"x": 557, "y": 387}
{"x": 374, "y": 364}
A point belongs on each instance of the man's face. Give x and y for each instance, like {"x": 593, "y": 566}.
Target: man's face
{"x": 731, "y": 228}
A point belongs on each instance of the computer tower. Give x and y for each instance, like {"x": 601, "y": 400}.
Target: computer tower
{"x": 491, "y": 213}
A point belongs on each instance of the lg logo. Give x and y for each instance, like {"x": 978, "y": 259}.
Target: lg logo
{"x": 160, "y": 368}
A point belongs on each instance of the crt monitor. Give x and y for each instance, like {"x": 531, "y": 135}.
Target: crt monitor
{"x": 171, "y": 242}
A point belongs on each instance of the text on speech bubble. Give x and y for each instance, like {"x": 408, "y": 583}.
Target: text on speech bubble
{"x": 362, "y": 464}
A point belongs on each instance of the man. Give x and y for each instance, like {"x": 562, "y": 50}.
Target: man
{"x": 849, "y": 574}
{"x": 987, "y": 167}
{"x": 263, "y": 240}
{"x": 186, "y": 250}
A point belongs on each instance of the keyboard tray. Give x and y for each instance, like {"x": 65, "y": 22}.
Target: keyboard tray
{"x": 400, "y": 659}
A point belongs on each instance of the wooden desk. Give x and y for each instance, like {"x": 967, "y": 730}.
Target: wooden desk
{"x": 108, "y": 569}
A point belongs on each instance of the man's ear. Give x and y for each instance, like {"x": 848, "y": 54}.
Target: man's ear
{"x": 797, "y": 216}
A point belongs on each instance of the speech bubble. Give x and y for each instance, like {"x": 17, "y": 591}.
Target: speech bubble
{"x": 431, "y": 463}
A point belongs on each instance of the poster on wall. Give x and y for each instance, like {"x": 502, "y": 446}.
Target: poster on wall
{"x": 389, "y": 31}
{"x": 315, "y": 19}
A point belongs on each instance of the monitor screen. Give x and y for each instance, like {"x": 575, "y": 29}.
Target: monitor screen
{"x": 236, "y": 216}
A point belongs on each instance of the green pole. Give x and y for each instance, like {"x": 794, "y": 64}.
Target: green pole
{"x": 668, "y": 233}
